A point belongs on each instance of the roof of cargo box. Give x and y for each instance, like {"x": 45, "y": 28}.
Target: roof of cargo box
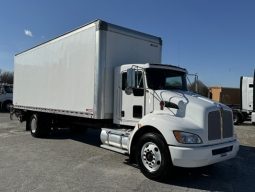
{"x": 103, "y": 25}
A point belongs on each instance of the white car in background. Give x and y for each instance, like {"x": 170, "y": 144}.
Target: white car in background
{"x": 6, "y": 96}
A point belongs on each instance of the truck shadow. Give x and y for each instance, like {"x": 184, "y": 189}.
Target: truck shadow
{"x": 233, "y": 175}
{"x": 246, "y": 123}
{"x": 87, "y": 135}
{"x": 6, "y": 112}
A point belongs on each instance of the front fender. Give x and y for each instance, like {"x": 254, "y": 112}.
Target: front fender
{"x": 165, "y": 123}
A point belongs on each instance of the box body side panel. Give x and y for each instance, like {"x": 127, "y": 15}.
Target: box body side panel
{"x": 59, "y": 74}
{"x": 75, "y": 72}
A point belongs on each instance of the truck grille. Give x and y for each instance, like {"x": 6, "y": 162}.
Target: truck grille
{"x": 220, "y": 125}
{"x": 227, "y": 124}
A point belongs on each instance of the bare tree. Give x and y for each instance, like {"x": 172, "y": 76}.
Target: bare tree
{"x": 6, "y": 77}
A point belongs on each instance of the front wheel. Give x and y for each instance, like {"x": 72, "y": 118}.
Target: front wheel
{"x": 153, "y": 156}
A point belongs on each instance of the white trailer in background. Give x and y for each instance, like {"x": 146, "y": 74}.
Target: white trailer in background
{"x": 110, "y": 77}
{"x": 246, "y": 111}
{"x": 247, "y": 88}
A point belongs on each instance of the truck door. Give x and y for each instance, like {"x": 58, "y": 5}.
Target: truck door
{"x": 132, "y": 107}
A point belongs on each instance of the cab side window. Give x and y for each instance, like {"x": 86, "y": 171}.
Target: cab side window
{"x": 138, "y": 80}
{"x": 124, "y": 81}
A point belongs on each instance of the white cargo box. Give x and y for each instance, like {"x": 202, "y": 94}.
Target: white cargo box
{"x": 73, "y": 73}
{"x": 247, "y": 93}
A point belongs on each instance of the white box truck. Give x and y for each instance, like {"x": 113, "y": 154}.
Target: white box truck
{"x": 110, "y": 77}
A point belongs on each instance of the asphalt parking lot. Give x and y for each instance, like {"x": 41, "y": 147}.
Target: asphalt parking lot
{"x": 69, "y": 162}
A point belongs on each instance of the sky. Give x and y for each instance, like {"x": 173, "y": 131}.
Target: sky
{"x": 213, "y": 38}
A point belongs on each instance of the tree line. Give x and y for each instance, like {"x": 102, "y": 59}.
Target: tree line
{"x": 6, "y": 77}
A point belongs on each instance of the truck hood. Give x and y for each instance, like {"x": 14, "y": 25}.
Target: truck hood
{"x": 191, "y": 106}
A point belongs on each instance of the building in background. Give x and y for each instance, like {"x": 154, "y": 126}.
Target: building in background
{"x": 226, "y": 95}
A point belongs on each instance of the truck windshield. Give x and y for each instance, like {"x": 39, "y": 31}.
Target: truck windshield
{"x": 164, "y": 79}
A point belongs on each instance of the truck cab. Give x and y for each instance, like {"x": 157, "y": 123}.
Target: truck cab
{"x": 154, "y": 99}
{"x": 141, "y": 89}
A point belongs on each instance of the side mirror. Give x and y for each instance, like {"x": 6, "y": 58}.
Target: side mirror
{"x": 130, "y": 78}
{"x": 134, "y": 82}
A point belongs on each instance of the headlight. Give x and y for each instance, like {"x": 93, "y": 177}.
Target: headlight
{"x": 187, "y": 138}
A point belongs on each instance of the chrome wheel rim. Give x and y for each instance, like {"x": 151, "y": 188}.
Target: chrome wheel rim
{"x": 33, "y": 125}
{"x": 151, "y": 156}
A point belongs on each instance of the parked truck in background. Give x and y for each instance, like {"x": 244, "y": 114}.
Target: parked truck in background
{"x": 110, "y": 77}
{"x": 6, "y": 96}
{"x": 240, "y": 100}
{"x": 228, "y": 96}
{"x": 247, "y": 106}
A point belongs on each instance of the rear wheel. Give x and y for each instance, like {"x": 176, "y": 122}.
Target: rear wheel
{"x": 39, "y": 126}
{"x": 153, "y": 156}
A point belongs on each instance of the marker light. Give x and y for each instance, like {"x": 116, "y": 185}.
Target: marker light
{"x": 162, "y": 104}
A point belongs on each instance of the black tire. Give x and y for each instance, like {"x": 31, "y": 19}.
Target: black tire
{"x": 28, "y": 127}
{"x": 237, "y": 118}
{"x": 39, "y": 126}
{"x": 149, "y": 146}
{"x": 7, "y": 106}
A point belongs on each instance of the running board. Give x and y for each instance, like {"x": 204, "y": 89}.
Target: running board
{"x": 118, "y": 150}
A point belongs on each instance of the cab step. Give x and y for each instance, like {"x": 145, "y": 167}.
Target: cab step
{"x": 118, "y": 150}
{"x": 115, "y": 139}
